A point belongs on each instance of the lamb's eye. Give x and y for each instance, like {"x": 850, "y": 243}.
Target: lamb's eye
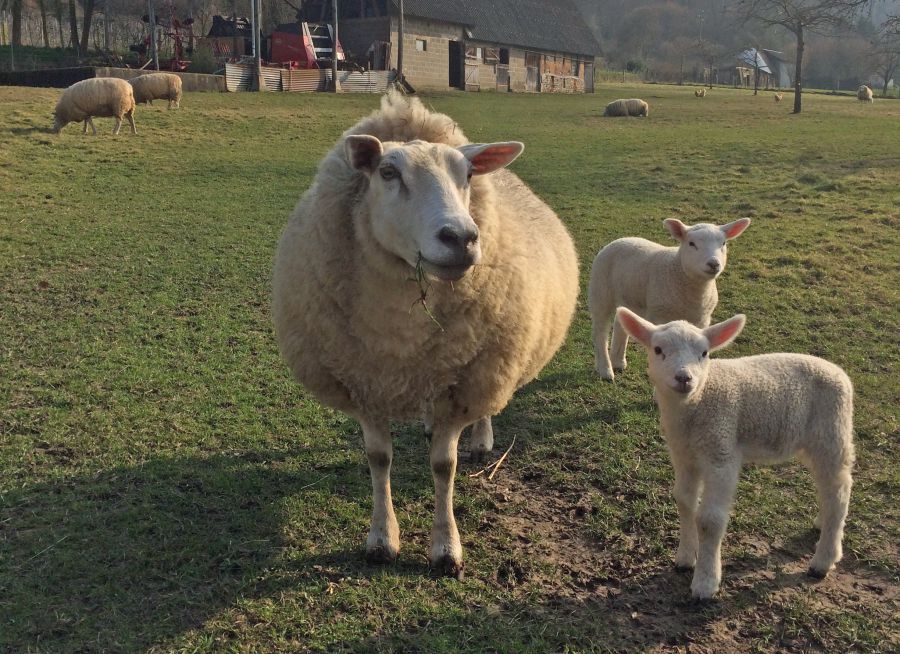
{"x": 692, "y": 244}
{"x": 469, "y": 176}
{"x": 703, "y": 356}
{"x": 657, "y": 349}
{"x": 389, "y": 172}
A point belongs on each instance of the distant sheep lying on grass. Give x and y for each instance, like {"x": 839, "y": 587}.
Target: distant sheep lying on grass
{"x": 411, "y": 281}
{"x": 864, "y": 94}
{"x": 629, "y": 107}
{"x": 97, "y": 96}
{"x": 659, "y": 283}
{"x": 717, "y": 415}
{"x": 157, "y": 86}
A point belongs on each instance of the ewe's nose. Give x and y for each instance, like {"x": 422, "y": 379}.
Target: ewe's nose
{"x": 458, "y": 239}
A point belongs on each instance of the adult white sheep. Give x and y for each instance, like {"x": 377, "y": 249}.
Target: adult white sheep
{"x": 718, "y": 415}
{"x": 97, "y": 96}
{"x": 629, "y": 107}
{"x": 157, "y": 86}
{"x": 410, "y": 279}
{"x": 864, "y": 94}
{"x": 659, "y": 283}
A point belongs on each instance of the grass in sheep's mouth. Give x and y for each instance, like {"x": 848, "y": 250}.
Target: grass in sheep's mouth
{"x": 424, "y": 285}
{"x": 166, "y": 487}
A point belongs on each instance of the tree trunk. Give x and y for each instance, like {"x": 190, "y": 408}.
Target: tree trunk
{"x": 16, "y": 37}
{"x": 73, "y": 26}
{"x": 86, "y": 24}
{"x": 798, "y": 77}
{"x": 58, "y": 7}
{"x": 42, "y": 5}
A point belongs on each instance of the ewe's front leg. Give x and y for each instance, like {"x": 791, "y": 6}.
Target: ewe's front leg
{"x": 383, "y": 542}
{"x": 482, "y": 439}
{"x": 687, "y": 493}
{"x": 446, "y": 549}
{"x": 719, "y": 485}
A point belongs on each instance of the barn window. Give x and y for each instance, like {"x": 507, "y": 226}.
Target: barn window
{"x": 421, "y": 45}
{"x": 473, "y": 53}
{"x": 491, "y": 55}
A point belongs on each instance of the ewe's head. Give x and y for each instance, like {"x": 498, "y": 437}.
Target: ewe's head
{"x": 418, "y": 198}
{"x": 702, "y": 248}
{"x": 678, "y": 352}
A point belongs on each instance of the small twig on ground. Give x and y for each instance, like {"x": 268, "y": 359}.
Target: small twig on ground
{"x": 496, "y": 464}
{"x": 314, "y": 483}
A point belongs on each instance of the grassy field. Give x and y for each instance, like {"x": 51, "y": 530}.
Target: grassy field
{"x": 166, "y": 487}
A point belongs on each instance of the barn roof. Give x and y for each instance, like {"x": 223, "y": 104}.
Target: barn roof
{"x": 538, "y": 24}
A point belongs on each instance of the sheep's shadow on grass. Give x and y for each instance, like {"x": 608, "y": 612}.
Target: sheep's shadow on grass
{"x": 135, "y": 555}
{"x": 24, "y": 131}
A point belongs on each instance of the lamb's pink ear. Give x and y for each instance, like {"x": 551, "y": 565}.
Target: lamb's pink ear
{"x": 488, "y": 157}
{"x": 676, "y": 228}
{"x": 735, "y": 229}
{"x": 722, "y": 333}
{"x": 636, "y": 327}
{"x": 363, "y": 152}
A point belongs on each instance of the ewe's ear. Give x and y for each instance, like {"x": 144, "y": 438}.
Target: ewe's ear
{"x": 363, "y": 152}
{"x": 722, "y": 333}
{"x": 638, "y": 328}
{"x": 676, "y": 228}
{"x": 735, "y": 229}
{"x": 488, "y": 157}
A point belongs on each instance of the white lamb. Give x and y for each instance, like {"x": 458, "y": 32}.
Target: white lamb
{"x": 410, "y": 278}
{"x": 717, "y": 415}
{"x": 157, "y": 86}
{"x": 627, "y": 107}
{"x": 659, "y": 283}
{"x": 865, "y": 94}
{"x": 97, "y": 96}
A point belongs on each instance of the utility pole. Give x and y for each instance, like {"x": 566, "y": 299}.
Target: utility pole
{"x": 400, "y": 32}
{"x": 335, "y": 82}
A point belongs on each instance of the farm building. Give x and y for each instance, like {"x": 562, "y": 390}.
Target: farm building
{"x": 508, "y": 45}
{"x": 774, "y": 71}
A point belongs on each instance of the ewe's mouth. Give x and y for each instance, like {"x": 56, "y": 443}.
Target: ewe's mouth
{"x": 448, "y": 273}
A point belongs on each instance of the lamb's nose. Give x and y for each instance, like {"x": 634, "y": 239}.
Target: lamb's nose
{"x": 714, "y": 265}
{"x": 457, "y": 238}
{"x": 683, "y": 377}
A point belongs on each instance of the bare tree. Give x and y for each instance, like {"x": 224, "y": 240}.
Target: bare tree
{"x": 73, "y": 26}
{"x": 799, "y": 17}
{"x": 885, "y": 53}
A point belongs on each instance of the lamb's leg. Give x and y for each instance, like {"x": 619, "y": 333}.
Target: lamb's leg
{"x": 719, "y": 485}
{"x": 482, "y": 439}
{"x": 446, "y": 548}
{"x": 383, "y": 542}
{"x": 600, "y": 326}
{"x": 619, "y": 345}
{"x": 687, "y": 494}
{"x": 833, "y": 491}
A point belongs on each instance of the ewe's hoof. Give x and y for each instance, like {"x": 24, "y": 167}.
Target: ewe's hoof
{"x": 380, "y": 555}
{"x": 702, "y": 600}
{"x": 479, "y": 456}
{"x": 815, "y": 573}
{"x": 446, "y": 566}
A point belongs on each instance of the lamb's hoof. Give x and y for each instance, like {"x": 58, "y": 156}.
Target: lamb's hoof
{"x": 380, "y": 555}
{"x": 702, "y": 600}
{"x": 606, "y": 375}
{"x": 815, "y": 573}
{"x": 479, "y": 456}
{"x": 683, "y": 568}
{"x": 446, "y": 566}
{"x": 619, "y": 367}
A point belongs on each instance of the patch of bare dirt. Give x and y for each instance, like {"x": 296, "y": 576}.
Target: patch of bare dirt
{"x": 640, "y": 603}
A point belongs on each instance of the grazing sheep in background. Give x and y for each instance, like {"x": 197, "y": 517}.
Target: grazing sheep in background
{"x": 630, "y": 107}
{"x": 97, "y": 96}
{"x": 718, "y": 415}
{"x": 157, "y": 86}
{"x": 659, "y": 283}
{"x": 411, "y": 281}
{"x": 864, "y": 94}
{"x": 700, "y": 93}
{"x": 778, "y": 97}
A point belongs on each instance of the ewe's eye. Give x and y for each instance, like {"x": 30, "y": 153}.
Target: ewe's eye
{"x": 692, "y": 244}
{"x": 703, "y": 356}
{"x": 657, "y": 349}
{"x": 389, "y": 173}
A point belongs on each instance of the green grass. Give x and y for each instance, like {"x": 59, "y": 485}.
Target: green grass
{"x": 165, "y": 486}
